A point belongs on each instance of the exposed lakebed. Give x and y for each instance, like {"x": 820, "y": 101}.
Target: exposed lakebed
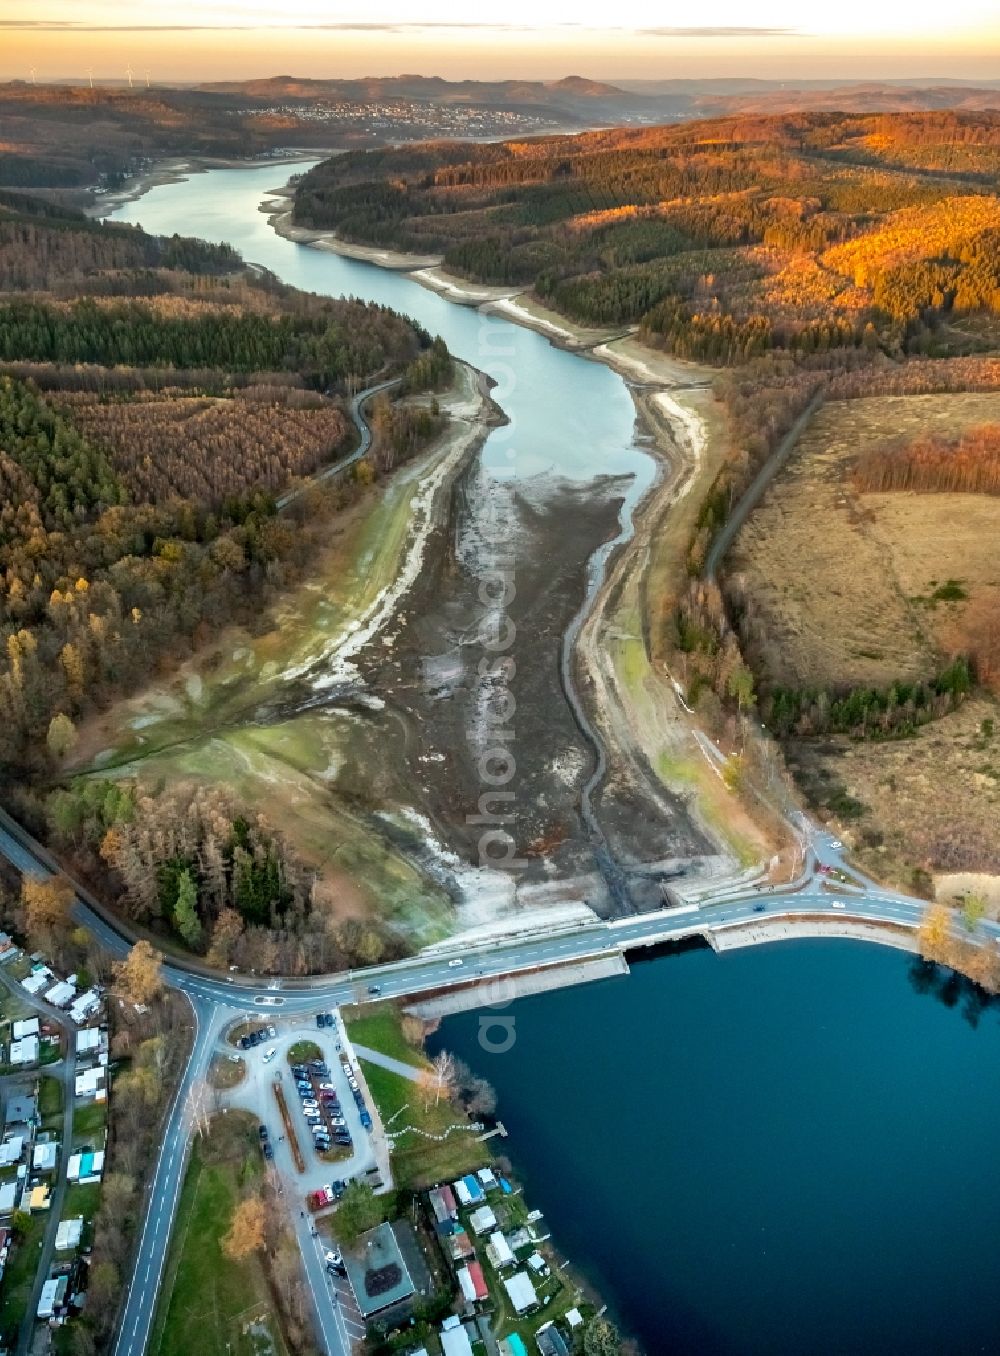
{"x": 544, "y": 493}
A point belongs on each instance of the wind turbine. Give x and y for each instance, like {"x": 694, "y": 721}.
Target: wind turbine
{"x": 147, "y": 79}
{"x": 128, "y": 72}
{"x": 32, "y": 74}
{"x": 90, "y": 76}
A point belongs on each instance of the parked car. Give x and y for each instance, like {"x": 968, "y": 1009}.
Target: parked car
{"x": 262, "y": 1131}
{"x": 320, "y": 1019}
{"x": 366, "y": 1120}
{"x": 304, "y": 1085}
{"x": 268, "y": 1151}
{"x": 299, "y": 1070}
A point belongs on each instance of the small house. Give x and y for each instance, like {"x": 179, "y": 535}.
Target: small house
{"x": 24, "y": 1051}
{"x": 443, "y": 1204}
{"x": 90, "y": 1083}
{"x": 27, "y": 1026}
{"x": 475, "y": 1191}
{"x": 473, "y": 1282}
{"x": 487, "y": 1180}
{"x": 85, "y": 1006}
{"x": 521, "y": 1292}
{"x": 69, "y": 1233}
{"x": 61, "y": 994}
{"x": 53, "y": 1296}
{"x": 11, "y": 1150}
{"x": 483, "y": 1220}
{"x": 20, "y": 1110}
{"x": 45, "y": 1156}
{"x": 9, "y": 1195}
{"x": 85, "y": 1167}
{"x": 40, "y": 1198}
{"x": 460, "y": 1246}
{"x": 454, "y": 1338}
{"x": 37, "y": 980}
{"x": 551, "y": 1341}
{"x": 499, "y": 1252}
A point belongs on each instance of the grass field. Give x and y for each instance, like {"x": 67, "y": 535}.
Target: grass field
{"x": 855, "y": 588}
{"x": 213, "y": 1305}
{"x": 380, "y": 1028}
{"x": 416, "y": 1161}
{"x": 18, "y": 1277}
{"x": 931, "y": 801}
{"x": 844, "y": 584}
{"x": 89, "y": 1120}
{"x": 50, "y": 1102}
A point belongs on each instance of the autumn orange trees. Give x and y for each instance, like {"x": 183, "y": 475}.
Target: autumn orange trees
{"x": 803, "y": 233}
{"x": 968, "y": 464}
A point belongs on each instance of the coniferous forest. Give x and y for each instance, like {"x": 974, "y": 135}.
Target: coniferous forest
{"x": 804, "y": 233}
{"x": 155, "y": 399}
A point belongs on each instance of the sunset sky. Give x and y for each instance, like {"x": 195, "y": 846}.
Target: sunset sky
{"x": 187, "y": 40}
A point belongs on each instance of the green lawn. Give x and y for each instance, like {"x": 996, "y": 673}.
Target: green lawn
{"x": 208, "y": 1299}
{"x": 89, "y": 1120}
{"x": 83, "y": 1200}
{"x": 379, "y": 1026}
{"x": 416, "y": 1161}
{"x": 50, "y": 1102}
{"x": 303, "y": 1051}
{"x": 15, "y": 1289}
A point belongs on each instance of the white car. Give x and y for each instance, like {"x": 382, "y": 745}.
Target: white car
{"x": 837, "y": 904}
{"x": 270, "y": 1055}
{"x": 453, "y": 963}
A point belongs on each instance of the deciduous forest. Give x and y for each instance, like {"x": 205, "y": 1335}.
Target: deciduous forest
{"x": 142, "y": 447}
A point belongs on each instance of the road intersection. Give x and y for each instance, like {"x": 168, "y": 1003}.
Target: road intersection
{"x": 828, "y": 888}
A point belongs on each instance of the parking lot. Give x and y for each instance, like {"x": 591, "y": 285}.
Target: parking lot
{"x": 325, "y": 1098}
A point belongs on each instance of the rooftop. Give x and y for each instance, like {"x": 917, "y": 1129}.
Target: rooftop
{"x": 521, "y": 1291}
{"x": 377, "y": 1272}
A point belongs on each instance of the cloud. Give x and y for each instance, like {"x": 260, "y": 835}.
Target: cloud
{"x": 707, "y": 31}
{"x": 402, "y": 26}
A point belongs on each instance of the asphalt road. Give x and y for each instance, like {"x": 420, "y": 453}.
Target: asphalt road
{"x": 365, "y": 442}
{"x": 218, "y": 1001}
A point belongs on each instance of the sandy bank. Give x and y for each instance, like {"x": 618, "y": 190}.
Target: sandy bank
{"x": 460, "y": 290}
{"x": 523, "y": 309}
{"x": 636, "y": 361}
{"x": 279, "y": 218}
